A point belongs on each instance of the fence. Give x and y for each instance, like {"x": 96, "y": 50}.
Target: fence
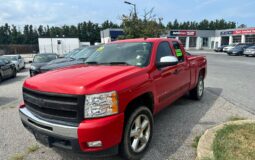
{"x": 18, "y": 49}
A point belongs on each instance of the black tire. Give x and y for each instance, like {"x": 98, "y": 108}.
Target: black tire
{"x": 126, "y": 151}
{"x": 14, "y": 73}
{"x": 197, "y": 93}
{"x": 1, "y": 78}
{"x": 17, "y": 69}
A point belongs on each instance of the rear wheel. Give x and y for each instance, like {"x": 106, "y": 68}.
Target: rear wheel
{"x": 198, "y": 92}
{"x": 137, "y": 134}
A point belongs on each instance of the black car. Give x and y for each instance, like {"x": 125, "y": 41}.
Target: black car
{"x": 72, "y": 53}
{"x": 73, "y": 59}
{"x": 7, "y": 69}
{"x": 41, "y": 60}
{"x": 220, "y": 48}
{"x": 66, "y": 58}
{"x": 238, "y": 50}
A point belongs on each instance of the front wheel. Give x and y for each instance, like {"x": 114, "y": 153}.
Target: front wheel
{"x": 14, "y": 73}
{"x": 137, "y": 134}
{"x": 198, "y": 92}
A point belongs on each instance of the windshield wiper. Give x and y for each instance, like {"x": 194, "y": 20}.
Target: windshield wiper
{"x": 91, "y": 62}
{"x": 116, "y": 63}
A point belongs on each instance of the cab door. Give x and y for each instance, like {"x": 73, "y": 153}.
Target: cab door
{"x": 183, "y": 69}
{"x": 165, "y": 79}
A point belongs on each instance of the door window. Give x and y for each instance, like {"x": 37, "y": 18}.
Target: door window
{"x": 178, "y": 51}
{"x": 183, "y": 40}
{"x": 163, "y": 50}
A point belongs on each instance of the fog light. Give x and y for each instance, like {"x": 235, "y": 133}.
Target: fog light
{"x": 95, "y": 144}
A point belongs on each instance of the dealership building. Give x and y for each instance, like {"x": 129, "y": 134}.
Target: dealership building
{"x": 197, "y": 39}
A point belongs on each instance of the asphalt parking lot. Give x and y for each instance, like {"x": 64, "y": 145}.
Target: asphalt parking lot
{"x": 229, "y": 92}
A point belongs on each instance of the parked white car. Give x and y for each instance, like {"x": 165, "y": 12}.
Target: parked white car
{"x": 250, "y": 51}
{"x": 17, "y": 60}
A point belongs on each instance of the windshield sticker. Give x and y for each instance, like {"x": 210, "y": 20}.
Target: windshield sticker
{"x": 100, "y": 49}
{"x": 178, "y": 52}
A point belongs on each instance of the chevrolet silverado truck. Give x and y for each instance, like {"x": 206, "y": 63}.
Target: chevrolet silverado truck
{"x": 106, "y": 105}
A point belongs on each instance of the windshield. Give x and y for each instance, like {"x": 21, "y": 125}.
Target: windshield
{"x": 42, "y": 58}
{"x": 11, "y": 58}
{"x": 72, "y": 53}
{"x": 252, "y": 47}
{"x": 4, "y": 60}
{"x": 85, "y": 53}
{"x": 239, "y": 47}
{"x": 137, "y": 54}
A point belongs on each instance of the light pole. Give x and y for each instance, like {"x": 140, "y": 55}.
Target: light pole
{"x": 134, "y": 5}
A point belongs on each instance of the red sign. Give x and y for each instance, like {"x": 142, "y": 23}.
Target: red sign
{"x": 245, "y": 31}
{"x": 183, "y": 33}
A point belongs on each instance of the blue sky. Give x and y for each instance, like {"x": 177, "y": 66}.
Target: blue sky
{"x": 60, "y": 12}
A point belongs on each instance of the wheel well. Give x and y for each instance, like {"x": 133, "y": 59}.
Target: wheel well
{"x": 202, "y": 72}
{"x": 144, "y": 99}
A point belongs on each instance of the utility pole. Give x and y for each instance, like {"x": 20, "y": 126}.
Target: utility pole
{"x": 134, "y": 5}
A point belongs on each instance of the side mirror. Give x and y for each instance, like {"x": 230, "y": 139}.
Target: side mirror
{"x": 167, "y": 61}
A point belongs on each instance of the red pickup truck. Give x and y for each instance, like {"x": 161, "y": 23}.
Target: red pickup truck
{"x": 106, "y": 106}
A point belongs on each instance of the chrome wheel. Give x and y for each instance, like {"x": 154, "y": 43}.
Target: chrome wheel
{"x": 200, "y": 87}
{"x": 140, "y": 133}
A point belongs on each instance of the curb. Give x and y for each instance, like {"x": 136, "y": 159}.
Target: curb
{"x": 204, "y": 148}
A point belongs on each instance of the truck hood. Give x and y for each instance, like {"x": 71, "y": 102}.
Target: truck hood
{"x": 83, "y": 79}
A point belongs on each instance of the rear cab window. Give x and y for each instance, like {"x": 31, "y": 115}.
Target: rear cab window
{"x": 178, "y": 51}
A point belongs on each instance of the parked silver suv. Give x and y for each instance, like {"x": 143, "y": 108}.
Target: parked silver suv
{"x": 249, "y": 51}
{"x": 17, "y": 60}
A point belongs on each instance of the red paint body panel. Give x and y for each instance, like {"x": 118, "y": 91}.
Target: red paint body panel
{"x": 129, "y": 82}
{"x": 108, "y": 130}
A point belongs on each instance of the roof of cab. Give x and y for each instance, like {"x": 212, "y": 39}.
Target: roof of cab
{"x": 143, "y": 40}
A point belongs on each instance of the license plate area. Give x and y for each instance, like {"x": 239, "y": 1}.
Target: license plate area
{"x": 43, "y": 139}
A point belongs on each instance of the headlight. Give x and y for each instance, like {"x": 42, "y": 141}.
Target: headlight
{"x": 100, "y": 105}
{"x": 33, "y": 67}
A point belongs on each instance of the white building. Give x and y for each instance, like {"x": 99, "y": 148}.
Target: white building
{"x": 211, "y": 39}
{"x": 197, "y": 39}
{"x": 58, "y": 45}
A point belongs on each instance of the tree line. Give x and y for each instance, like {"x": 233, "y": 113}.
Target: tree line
{"x": 29, "y": 34}
{"x": 202, "y": 25}
{"x": 133, "y": 27}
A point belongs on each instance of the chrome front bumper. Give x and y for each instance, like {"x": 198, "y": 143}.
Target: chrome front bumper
{"x": 56, "y": 129}
{"x": 248, "y": 53}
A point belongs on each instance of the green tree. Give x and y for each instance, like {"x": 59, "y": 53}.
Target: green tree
{"x": 148, "y": 26}
{"x": 108, "y": 24}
